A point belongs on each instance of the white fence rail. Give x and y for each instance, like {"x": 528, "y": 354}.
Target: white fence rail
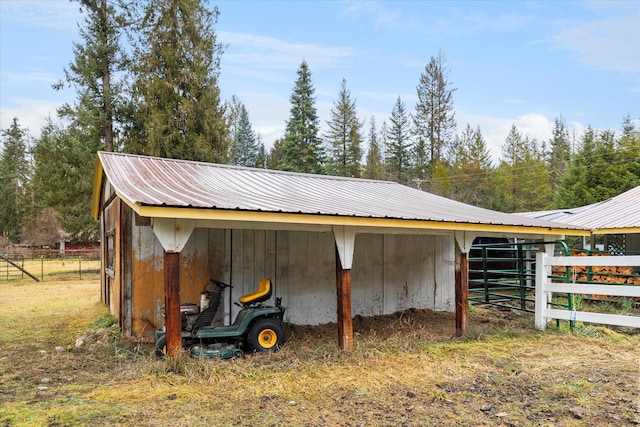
{"x": 545, "y": 289}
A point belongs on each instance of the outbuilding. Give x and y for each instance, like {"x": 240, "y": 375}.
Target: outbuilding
{"x": 334, "y": 247}
{"x": 616, "y": 219}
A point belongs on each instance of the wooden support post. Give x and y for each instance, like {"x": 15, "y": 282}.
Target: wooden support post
{"x": 462, "y": 292}
{"x": 172, "y": 302}
{"x": 345, "y": 322}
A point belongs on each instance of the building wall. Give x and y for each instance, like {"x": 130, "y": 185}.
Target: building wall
{"x": 390, "y": 272}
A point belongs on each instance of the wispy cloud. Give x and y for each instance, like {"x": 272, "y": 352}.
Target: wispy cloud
{"x": 611, "y": 44}
{"x": 35, "y": 76}
{"x": 272, "y": 53}
{"x": 379, "y": 14}
{"x": 59, "y": 15}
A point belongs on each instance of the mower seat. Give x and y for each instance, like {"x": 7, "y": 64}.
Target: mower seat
{"x": 262, "y": 294}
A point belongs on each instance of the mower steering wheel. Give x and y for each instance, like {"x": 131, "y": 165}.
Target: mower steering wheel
{"x": 221, "y": 284}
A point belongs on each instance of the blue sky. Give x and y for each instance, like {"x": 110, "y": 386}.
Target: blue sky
{"x": 522, "y": 63}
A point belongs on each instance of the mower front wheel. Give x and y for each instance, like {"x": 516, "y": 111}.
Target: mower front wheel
{"x": 265, "y": 335}
{"x": 160, "y": 349}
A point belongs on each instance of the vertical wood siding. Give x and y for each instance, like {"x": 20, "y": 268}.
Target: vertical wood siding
{"x": 390, "y": 273}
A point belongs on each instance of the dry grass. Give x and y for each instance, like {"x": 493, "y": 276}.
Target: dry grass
{"x": 55, "y": 269}
{"x": 406, "y": 369}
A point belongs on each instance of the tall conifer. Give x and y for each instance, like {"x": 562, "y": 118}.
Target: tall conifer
{"x": 177, "y": 64}
{"x": 344, "y": 137}
{"x": 398, "y": 151}
{"x": 301, "y": 150}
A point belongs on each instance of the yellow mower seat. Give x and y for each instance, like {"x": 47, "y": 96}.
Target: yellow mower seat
{"x": 262, "y": 294}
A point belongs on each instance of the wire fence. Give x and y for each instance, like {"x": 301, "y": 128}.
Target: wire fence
{"x": 43, "y": 268}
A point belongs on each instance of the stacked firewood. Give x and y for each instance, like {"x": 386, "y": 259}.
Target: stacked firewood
{"x": 603, "y": 274}
{"x": 600, "y": 275}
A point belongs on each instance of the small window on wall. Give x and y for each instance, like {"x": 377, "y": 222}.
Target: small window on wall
{"x": 109, "y": 238}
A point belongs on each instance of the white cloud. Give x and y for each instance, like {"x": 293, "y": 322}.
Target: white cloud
{"x": 610, "y": 44}
{"x": 31, "y": 113}
{"x": 59, "y": 15}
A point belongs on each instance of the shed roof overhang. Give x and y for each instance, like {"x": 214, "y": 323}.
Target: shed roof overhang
{"x": 310, "y": 202}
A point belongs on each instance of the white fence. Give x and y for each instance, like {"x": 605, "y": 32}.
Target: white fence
{"x": 545, "y": 289}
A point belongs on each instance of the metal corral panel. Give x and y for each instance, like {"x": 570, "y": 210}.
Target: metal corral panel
{"x": 151, "y": 181}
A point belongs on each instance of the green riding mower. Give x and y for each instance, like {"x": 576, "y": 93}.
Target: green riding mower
{"x": 257, "y": 328}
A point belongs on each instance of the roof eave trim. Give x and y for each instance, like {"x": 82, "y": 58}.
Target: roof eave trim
{"x": 625, "y": 230}
{"x": 312, "y": 219}
{"x": 96, "y": 196}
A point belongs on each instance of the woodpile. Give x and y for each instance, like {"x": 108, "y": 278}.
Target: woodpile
{"x": 599, "y": 275}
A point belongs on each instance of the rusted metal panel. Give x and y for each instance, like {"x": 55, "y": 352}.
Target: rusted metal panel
{"x": 151, "y": 181}
{"x": 148, "y": 279}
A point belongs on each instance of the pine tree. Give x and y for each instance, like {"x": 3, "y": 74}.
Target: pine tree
{"x": 600, "y": 169}
{"x": 246, "y": 147}
{"x": 434, "y": 119}
{"x": 177, "y": 62}
{"x": 14, "y": 177}
{"x": 559, "y": 153}
{"x": 301, "y": 150}
{"x": 398, "y": 162}
{"x": 97, "y": 61}
{"x": 273, "y": 158}
{"x": 63, "y": 160}
{"x": 628, "y": 148}
{"x": 535, "y": 183}
{"x": 374, "y": 169}
{"x": 472, "y": 170}
{"x": 523, "y": 182}
{"x": 343, "y": 136}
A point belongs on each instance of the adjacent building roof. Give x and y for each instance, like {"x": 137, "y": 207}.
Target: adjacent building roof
{"x": 556, "y": 215}
{"x": 617, "y": 215}
{"x": 158, "y": 187}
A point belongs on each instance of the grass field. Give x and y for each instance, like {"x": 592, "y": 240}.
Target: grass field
{"x": 406, "y": 369}
{"x": 46, "y": 269}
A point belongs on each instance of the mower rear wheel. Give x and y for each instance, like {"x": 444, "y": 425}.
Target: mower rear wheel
{"x": 265, "y": 335}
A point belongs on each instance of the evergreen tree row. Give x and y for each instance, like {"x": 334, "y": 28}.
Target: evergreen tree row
{"x": 146, "y": 79}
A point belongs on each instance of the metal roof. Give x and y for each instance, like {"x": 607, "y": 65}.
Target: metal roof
{"x": 556, "y": 215}
{"x": 157, "y": 182}
{"x": 617, "y": 214}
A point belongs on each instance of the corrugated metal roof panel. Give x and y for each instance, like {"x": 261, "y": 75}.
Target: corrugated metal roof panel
{"x": 622, "y": 211}
{"x": 556, "y": 215}
{"x": 155, "y": 181}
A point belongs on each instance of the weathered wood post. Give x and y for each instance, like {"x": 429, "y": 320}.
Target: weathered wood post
{"x": 345, "y": 239}
{"x": 172, "y": 320}
{"x": 462, "y": 292}
{"x": 463, "y": 241}
{"x": 173, "y": 234}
